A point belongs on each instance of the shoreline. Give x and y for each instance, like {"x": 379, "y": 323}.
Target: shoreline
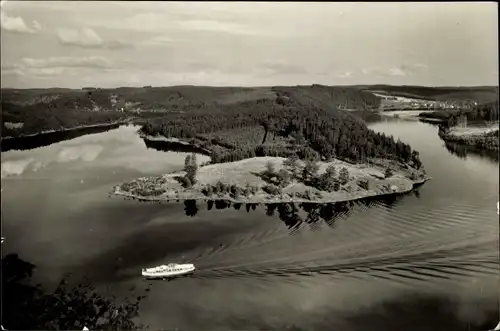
{"x": 480, "y": 140}
{"x": 267, "y": 201}
{"x": 171, "y": 140}
{"x": 80, "y": 127}
{"x": 165, "y": 188}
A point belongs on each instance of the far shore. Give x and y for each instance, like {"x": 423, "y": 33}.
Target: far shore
{"x": 478, "y": 137}
{"x": 129, "y": 120}
{"x": 431, "y": 120}
{"x": 245, "y": 173}
{"x": 172, "y": 140}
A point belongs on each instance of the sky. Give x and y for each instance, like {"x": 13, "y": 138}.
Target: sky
{"x": 78, "y": 44}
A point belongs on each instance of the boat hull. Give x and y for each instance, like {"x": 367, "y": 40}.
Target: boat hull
{"x": 167, "y": 274}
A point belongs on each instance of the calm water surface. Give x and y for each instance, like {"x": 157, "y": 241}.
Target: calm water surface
{"x": 424, "y": 261}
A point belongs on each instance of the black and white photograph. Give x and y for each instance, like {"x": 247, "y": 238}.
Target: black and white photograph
{"x": 249, "y": 165}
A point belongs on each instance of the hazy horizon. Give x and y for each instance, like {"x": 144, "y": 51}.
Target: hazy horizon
{"x": 132, "y": 44}
{"x": 236, "y": 86}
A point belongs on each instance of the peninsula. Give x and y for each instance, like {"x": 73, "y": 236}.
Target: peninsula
{"x": 272, "y": 180}
{"x": 476, "y": 128}
{"x": 287, "y": 144}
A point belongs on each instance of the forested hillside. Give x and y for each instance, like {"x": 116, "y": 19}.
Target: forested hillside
{"x": 30, "y": 119}
{"x": 35, "y": 110}
{"x": 330, "y": 97}
{"x": 297, "y": 122}
{"x": 481, "y": 94}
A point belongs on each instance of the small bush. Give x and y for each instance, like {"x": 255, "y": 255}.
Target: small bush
{"x": 283, "y": 178}
{"x": 254, "y": 189}
{"x": 220, "y": 187}
{"x": 344, "y": 176}
{"x": 126, "y": 186}
{"x": 237, "y": 193}
{"x": 366, "y": 184}
{"x": 186, "y": 182}
{"x": 271, "y": 189}
{"x": 270, "y": 168}
{"x": 310, "y": 171}
{"x": 292, "y": 165}
{"x": 208, "y": 190}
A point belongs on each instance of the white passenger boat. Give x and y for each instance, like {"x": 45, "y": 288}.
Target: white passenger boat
{"x": 168, "y": 270}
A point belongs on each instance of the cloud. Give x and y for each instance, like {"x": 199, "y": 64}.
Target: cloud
{"x": 53, "y": 66}
{"x": 67, "y": 62}
{"x": 37, "y": 26}
{"x": 87, "y": 38}
{"x": 47, "y": 72}
{"x": 159, "y": 40}
{"x": 376, "y": 71}
{"x": 408, "y": 69}
{"x": 420, "y": 66}
{"x": 12, "y": 69}
{"x": 283, "y": 68}
{"x": 401, "y": 71}
{"x": 345, "y": 74}
{"x": 17, "y": 24}
{"x": 15, "y": 168}
{"x": 39, "y": 165}
{"x": 216, "y": 26}
{"x": 396, "y": 72}
{"x": 87, "y": 153}
{"x": 20, "y": 70}
{"x": 414, "y": 67}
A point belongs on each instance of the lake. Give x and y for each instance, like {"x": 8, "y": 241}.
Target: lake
{"x": 428, "y": 260}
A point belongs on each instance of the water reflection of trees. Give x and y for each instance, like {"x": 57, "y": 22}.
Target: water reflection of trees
{"x": 293, "y": 215}
{"x": 462, "y": 151}
{"x": 173, "y": 146}
{"x": 315, "y": 213}
{"x": 190, "y": 207}
{"x": 288, "y": 213}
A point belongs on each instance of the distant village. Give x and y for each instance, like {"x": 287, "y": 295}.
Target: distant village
{"x": 390, "y": 102}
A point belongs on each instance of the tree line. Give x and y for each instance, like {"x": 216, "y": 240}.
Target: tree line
{"x": 486, "y": 112}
